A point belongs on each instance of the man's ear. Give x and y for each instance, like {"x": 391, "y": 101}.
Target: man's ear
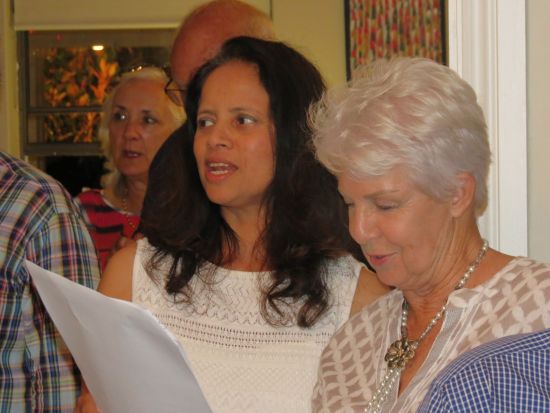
{"x": 464, "y": 195}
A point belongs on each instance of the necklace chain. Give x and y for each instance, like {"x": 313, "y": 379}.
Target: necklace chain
{"x": 403, "y": 350}
{"x": 127, "y": 214}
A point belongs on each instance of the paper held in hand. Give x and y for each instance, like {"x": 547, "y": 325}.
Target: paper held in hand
{"x": 129, "y": 361}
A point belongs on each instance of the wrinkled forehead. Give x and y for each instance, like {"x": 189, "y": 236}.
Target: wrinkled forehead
{"x": 140, "y": 89}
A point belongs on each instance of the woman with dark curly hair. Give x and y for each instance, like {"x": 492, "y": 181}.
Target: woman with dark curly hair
{"x": 246, "y": 257}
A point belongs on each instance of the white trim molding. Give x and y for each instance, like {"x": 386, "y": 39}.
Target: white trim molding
{"x": 487, "y": 47}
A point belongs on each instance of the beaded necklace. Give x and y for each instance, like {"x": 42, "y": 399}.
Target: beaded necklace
{"x": 127, "y": 214}
{"x": 403, "y": 350}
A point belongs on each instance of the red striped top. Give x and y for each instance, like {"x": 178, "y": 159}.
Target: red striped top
{"x": 106, "y": 223}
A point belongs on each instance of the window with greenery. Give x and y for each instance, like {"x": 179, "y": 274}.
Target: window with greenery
{"x": 64, "y": 79}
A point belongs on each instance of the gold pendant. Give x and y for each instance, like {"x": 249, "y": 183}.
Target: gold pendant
{"x": 399, "y": 353}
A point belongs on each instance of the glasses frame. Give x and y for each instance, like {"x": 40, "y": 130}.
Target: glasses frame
{"x": 175, "y": 92}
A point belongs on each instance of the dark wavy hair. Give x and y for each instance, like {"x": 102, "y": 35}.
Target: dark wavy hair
{"x": 306, "y": 218}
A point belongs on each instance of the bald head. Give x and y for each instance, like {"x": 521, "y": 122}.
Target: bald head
{"x": 203, "y": 32}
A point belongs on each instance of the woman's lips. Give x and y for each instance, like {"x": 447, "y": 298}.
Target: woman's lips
{"x": 131, "y": 154}
{"x": 377, "y": 260}
{"x": 217, "y": 171}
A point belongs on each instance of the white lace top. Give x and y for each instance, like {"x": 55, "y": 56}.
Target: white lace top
{"x": 242, "y": 363}
{"x": 515, "y": 300}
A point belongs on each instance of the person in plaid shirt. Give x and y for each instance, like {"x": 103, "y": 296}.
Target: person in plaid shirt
{"x": 38, "y": 222}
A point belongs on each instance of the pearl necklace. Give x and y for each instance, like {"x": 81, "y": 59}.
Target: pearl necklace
{"x": 403, "y": 350}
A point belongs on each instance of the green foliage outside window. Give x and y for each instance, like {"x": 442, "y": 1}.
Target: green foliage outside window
{"x": 76, "y": 77}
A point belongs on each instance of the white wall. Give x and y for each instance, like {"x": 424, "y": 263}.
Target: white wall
{"x": 538, "y": 127}
{"x": 316, "y": 29}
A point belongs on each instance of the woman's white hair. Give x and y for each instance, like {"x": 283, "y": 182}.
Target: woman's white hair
{"x": 405, "y": 111}
{"x": 113, "y": 178}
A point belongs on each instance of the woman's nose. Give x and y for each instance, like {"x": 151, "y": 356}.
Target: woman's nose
{"x": 362, "y": 225}
{"x": 219, "y": 137}
{"x": 131, "y": 130}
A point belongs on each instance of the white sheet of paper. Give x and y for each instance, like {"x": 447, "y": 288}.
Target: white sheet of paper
{"x": 129, "y": 361}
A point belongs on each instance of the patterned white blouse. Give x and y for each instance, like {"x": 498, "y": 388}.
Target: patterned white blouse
{"x": 242, "y": 363}
{"x": 515, "y": 300}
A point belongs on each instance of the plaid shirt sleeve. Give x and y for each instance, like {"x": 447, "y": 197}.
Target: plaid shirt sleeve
{"x": 37, "y": 372}
{"x": 511, "y": 374}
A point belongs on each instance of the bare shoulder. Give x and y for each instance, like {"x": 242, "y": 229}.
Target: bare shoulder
{"x": 368, "y": 290}
{"x": 116, "y": 280}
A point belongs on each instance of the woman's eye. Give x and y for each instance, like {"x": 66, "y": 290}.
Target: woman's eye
{"x": 245, "y": 120}
{"x": 118, "y": 116}
{"x": 385, "y": 207}
{"x": 149, "y": 120}
{"x": 204, "y": 122}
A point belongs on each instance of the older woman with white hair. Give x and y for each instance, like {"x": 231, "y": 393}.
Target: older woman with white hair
{"x": 408, "y": 144}
{"x": 138, "y": 117}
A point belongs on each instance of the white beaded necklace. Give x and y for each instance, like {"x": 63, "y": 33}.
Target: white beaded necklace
{"x": 403, "y": 350}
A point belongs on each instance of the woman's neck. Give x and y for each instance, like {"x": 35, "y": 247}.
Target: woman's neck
{"x": 135, "y": 194}
{"x": 453, "y": 260}
{"x": 128, "y": 197}
{"x": 248, "y": 227}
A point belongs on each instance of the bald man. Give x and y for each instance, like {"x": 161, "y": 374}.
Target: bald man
{"x": 206, "y": 28}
